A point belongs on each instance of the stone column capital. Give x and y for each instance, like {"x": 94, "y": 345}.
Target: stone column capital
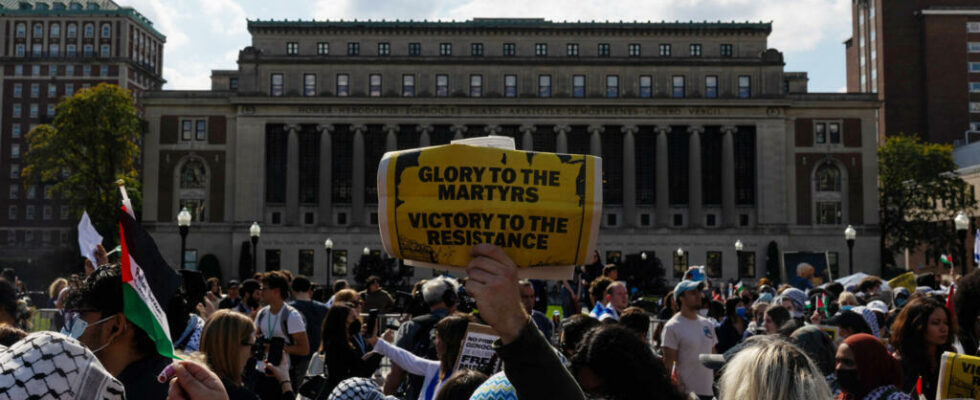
{"x": 325, "y": 128}
{"x": 358, "y": 128}
{"x": 491, "y": 129}
{"x": 593, "y": 129}
{"x": 729, "y": 129}
{"x": 661, "y": 129}
{"x": 289, "y": 128}
{"x": 457, "y": 128}
{"x": 424, "y": 128}
{"x": 526, "y": 128}
{"x": 390, "y": 128}
{"x": 631, "y": 129}
{"x": 562, "y": 128}
{"x": 695, "y": 129}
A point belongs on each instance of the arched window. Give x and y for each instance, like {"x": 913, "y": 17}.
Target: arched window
{"x": 55, "y": 30}
{"x": 72, "y": 30}
{"x": 38, "y": 30}
{"x": 828, "y": 178}
{"x": 193, "y": 187}
{"x": 106, "y": 31}
{"x": 21, "y": 30}
{"x": 89, "y": 30}
{"x": 828, "y": 194}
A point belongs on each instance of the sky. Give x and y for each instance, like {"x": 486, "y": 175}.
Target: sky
{"x": 203, "y": 35}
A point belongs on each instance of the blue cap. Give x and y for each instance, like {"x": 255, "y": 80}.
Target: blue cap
{"x": 684, "y": 286}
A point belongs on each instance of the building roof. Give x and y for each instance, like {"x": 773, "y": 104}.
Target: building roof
{"x": 74, "y": 7}
{"x": 517, "y": 23}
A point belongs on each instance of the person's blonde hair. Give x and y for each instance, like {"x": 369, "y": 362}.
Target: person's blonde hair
{"x": 847, "y": 299}
{"x": 347, "y": 296}
{"x": 772, "y": 368}
{"x": 223, "y": 335}
{"x": 55, "y": 289}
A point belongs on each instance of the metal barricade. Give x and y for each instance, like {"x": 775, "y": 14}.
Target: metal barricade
{"x": 45, "y": 319}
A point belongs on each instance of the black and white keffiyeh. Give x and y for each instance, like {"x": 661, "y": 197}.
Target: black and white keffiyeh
{"x": 49, "y": 365}
{"x": 358, "y": 389}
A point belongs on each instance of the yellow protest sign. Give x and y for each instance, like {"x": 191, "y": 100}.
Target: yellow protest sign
{"x": 959, "y": 377}
{"x": 906, "y": 280}
{"x": 542, "y": 209}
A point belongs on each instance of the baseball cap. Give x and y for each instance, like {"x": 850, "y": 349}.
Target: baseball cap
{"x": 232, "y": 283}
{"x": 686, "y": 285}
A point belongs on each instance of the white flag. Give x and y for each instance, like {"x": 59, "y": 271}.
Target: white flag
{"x": 976, "y": 247}
{"x": 88, "y": 238}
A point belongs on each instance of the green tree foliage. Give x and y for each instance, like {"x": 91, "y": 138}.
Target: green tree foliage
{"x": 919, "y": 196}
{"x": 90, "y": 145}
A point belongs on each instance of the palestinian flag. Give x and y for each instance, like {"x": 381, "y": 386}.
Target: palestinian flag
{"x": 148, "y": 282}
{"x": 946, "y": 259}
{"x": 822, "y": 304}
{"x": 739, "y": 288}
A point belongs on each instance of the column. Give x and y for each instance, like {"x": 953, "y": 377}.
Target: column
{"x": 561, "y": 138}
{"x": 424, "y": 131}
{"x": 663, "y": 176}
{"x": 694, "y": 178}
{"x": 728, "y": 176}
{"x": 595, "y": 139}
{"x": 629, "y": 175}
{"x": 527, "y": 137}
{"x": 492, "y": 130}
{"x": 458, "y": 131}
{"x": 391, "y": 140}
{"x": 292, "y": 175}
{"x": 325, "y": 194}
{"x": 357, "y": 190}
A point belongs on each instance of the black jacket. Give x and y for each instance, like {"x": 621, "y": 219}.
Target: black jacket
{"x": 534, "y": 369}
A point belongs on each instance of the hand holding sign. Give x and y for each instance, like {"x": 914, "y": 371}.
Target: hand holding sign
{"x": 493, "y": 283}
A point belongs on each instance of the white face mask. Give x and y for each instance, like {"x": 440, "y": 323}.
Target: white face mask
{"x": 75, "y": 326}
{"x": 703, "y": 312}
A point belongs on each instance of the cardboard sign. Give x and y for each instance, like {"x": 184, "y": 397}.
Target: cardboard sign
{"x": 959, "y": 377}
{"x": 906, "y": 280}
{"x": 476, "y": 351}
{"x": 832, "y": 331}
{"x": 542, "y": 209}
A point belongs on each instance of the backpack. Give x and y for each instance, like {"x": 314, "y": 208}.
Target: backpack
{"x": 421, "y": 345}
{"x": 284, "y": 320}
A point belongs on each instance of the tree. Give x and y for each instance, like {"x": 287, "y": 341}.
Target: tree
{"x": 90, "y": 145}
{"x": 919, "y": 192}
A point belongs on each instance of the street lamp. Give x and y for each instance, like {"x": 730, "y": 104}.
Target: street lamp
{"x": 184, "y": 225}
{"x": 254, "y": 232}
{"x": 328, "y": 244}
{"x": 643, "y": 256}
{"x": 849, "y": 235}
{"x": 366, "y": 251}
{"x": 738, "y": 256}
{"x": 962, "y": 223}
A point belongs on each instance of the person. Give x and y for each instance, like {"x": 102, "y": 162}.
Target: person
{"x": 772, "y": 369}
{"x": 10, "y": 335}
{"x": 794, "y": 300}
{"x": 636, "y": 320}
{"x": 542, "y": 321}
{"x": 461, "y": 385}
{"x": 350, "y": 297}
{"x": 669, "y": 306}
{"x": 775, "y": 318}
{"x": 358, "y": 389}
{"x": 226, "y": 343}
{"x": 375, "y": 297}
{"x": 531, "y": 365}
{"x": 230, "y": 300}
{"x": 570, "y": 293}
{"x": 193, "y": 381}
{"x": 280, "y": 320}
{"x": 865, "y": 370}
{"x": 818, "y": 345}
{"x": 341, "y": 359}
{"x": 573, "y": 329}
{"x": 8, "y": 303}
{"x": 733, "y": 326}
{"x": 251, "y": 292}
{"x": 756, "y": 325}
{"x": 214, "y": 286}
{"x": 441, "y": 296}
{"x": 920, "y": 335}
{"x": 54, "y": 290}
{"x": 94, "y": 315}
{"x": 449, "y": 335}
{"x": 76, "y": 374}
{"x": 610, "y": 271}
{"x": 869, "y": 286}
{"x": 616, "y": 299}
{"x": 847, "y": 301}
{"x": 313, "y": 314}
{"x": 613, "y": 362}
{"x": 338, "y": 285}
{"x": 968, "y": 311}
{"x": 597, "y": 294}
{"x": 687, "y": 335}
{"x": 849, "y": 323}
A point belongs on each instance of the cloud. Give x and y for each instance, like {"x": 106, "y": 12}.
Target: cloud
{"x": 163, "y": 15}
{"x": 226, "y": 17}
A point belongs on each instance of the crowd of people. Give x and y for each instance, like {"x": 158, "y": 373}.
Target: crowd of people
{"x": 268, "y": 337}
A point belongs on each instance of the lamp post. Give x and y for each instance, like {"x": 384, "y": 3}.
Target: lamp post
{"x": 328, "y": 244}
{"x": 962, "y": 223}
{"x": 254, "y": 232}
{"x": 738, "y": 257}
{"x": 849, "y": 235}
{"x": 366, "y": 251}
{"x": 183, "y": 225}
{"x": 643, "y": 256}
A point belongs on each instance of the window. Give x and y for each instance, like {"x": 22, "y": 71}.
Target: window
{"x": 70, "y": 50}
{"x": 746, "y": 264}
{"x": 445, "y": 49}
{"x": 200, "y": 130}
{"x": 339, "y": 263}
{"x": 713, "y": 265}
{"x": 408, "y": 85}
{"x": 46, "y": 215}
{"x": 322, "y": 48}
{"x": 476, "y": 49}
{"x": 48, "y": 192}
{"x": 726, "y": 50}
{"x": 544, "y": 85}
{"x": 186, "y": 130}
{"x": 442, "y": 85}
{"x": 603, "y": 50}
{"x": 744, "y": 86}
{"x": 634, "y": 49}
{"x": 38, "y": 31}
{"x": 53, "y": 50}
{"x": 829, "y": 213}
{"x": 665, "y": 50}
{"x": 31, "y": 192}
{"x": 680, "y": 264}
{"x": 29, "y": 215}
{"x": 415, "y": 49}
{"x": 21, "y": 30}
{"x": 353, "y": 49}
{"x": 71, "y": 30}
{"x": 541, "y": 49}
{"x": 306, "y": 265}
{"x": 973, "y": 47}
{"x": 34, "y": 111}
{"x": 15, "y": 131}
{"x": 343, "y": 85}
{"x": 50, "y": 110}
{"x": 292, "y": 48}
{"x": 695, "y": 50}
{"x": 63, "y": 213}
{"x": 578, "y": 86}
{"x": 384, "y": 49}
{"x": 828, "y": 178}
{"x": 86, "y": 70}
{"x": 16, "y": 111}
{"x": 678, "y": 86}
{"x": 646, "y": 86}
{"x": 14, "y": 150}
{"x": 612, "y": 86}
{"x": 309, "y": 84}
{"x": 276, "y": 85}
{"x": 69, "y": 89}
{"x": 510, "y": 49}
{"x": 374, "y": 88}
{"x": 233, "y": 84}
{"x": 711, "y": 87}
{"x": 192, "y": 188}
{"x": 89, "y": 30}
{"x": 833, "y": 129}
{"x": 272, "y": 259}
{"x": 36, "y": 50}
{"x": 20, "y": 50}
{"x": 106, "y": 31}
{"x": 975, "y": 107}
{"x": 975, "y": 67}
{"x": 820, "y": 132}
{"x": 14, "y": 171}
{"x": 14, "y": 191}
{"x": 973, "y": 27}
{"x": 12, "y": 213}
{"x": 974, "y": 126}
{"x": 571, "y": 49}
{"x": 35, "y": 90}
{"x": 104, "y": 70}
{"x": 476, "y": 85}
{"x": 18, "y": 90}
{"x": 510, "y": 85}
{"x": 87, "y": 50}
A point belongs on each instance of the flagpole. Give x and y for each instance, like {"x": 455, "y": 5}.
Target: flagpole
{"x": 125, "y": 198}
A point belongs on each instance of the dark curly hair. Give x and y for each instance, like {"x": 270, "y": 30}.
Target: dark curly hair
{"x": 102, "y": 291}
{"x": 624, "y": 364}
{"x": 967, "y": 309}
{"x": 573, "y": 329}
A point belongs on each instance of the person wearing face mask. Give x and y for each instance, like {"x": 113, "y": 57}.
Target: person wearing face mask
{"x": 865, "y": 370}
{"x": 733, "y": 326}
{"x": 342, "y": 359}
{"x": 94, "y": 316}
{"x": 920, "y": 335}
{"x": 685, "y": 337}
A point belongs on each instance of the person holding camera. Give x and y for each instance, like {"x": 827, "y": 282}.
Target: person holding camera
{"x": 341, "y": 358}
{"x": 280, "y": 326}
{"x": 228, "y": 340}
